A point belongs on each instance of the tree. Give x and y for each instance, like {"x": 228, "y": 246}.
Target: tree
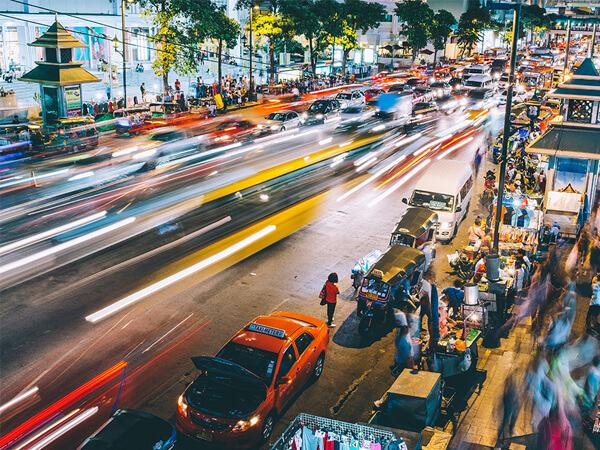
{"x": 443, "y": 21}
{"x": 470, "y": 26}
{"x": 534, "y": 18}
{"x": 274, "y": 28}
{"x": 225, "y": 31}
{"x": 359, "y": 16}
{"x": 181, "y": 26}
{"x": 416, "y": 19}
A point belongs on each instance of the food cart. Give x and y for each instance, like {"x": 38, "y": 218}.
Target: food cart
{"x": 522, "y": 221}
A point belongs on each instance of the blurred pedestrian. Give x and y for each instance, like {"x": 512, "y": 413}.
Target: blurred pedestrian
{"x": 143, "y": 91}
{"x": 591, "y": 320}
{"x": 475, "y": 232}
{"x": 555, "y": 431}
{"x": 403, "y": 357}
{"x": 331, "y": 293}
{"x": 511, "y": 404}
{"x": 477, "y": 160}
{"x": 425, "y": 298}
{"x": 589, "y": 394}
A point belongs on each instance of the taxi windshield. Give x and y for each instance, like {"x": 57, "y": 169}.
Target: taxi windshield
{"x": 260, "y": 362}
{"x": 376, "y": 286}
{"x": 431, "y": 200}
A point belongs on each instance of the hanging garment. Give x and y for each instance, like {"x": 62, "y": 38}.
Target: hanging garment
{"x": 375, "y": 446}
{"x": 297, "y": 440}
{"x": 310, "y": 441}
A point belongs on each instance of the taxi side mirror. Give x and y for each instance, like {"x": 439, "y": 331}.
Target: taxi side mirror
{"x": 283, "y": 380}
{"x": 458, "y": 209}
{"x": 404, "y": 200}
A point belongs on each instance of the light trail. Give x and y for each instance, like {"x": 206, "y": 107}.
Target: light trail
{"x": 415, "y": 161}
{"x": 457, "y": 146}
{"x": 46, "y": 234}
{"x": 130, "y": 299}
{"x": 65, "y": 428}
{"x": 51, "y": 251}
{"x": 19, "y": 398}
{"x": 34, "y": 178}
{"x": 399, "y": 183}
{"x": 35, "y": 437}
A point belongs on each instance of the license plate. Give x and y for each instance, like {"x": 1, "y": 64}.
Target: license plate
{"x": 204, "y": 436}
{"x": 372, "y": 296}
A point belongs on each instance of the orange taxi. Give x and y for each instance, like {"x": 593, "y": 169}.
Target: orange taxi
{"x": 238, "y": 394}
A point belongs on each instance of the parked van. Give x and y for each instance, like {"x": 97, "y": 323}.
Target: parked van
{"x": 479, "y": 82}
{"x": 446, "y": 188}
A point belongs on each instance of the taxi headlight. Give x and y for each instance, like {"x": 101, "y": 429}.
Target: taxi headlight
{"x": 445, "y": 225}
{"x": 182, "y": 406}
{"x": 305, "y": 115}
{"x": 260, "y": 127}
{"x": 243, "y": 425}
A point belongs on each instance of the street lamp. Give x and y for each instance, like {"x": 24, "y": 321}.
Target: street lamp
{"x": 250, "y": 81}
{"x": 509, "y": 94}
{"x": 124, "y": 51}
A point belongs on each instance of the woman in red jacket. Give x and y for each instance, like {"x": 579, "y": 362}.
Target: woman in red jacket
{"x": 331, "y": 293}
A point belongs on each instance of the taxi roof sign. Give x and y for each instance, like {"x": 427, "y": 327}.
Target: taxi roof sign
{"x": 275, "y": 332}
{"x": 377, "y": 273}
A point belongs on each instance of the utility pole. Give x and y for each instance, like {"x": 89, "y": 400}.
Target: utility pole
{"x": 568, "y": 48}
{"x": 507, "y": 123}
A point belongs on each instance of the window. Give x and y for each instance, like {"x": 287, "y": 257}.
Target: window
{"x": 387, "y": 18}
{"x": 466, "y": 188}
{"x": 580, "y": 111}
{"x": 303, "y": 342}
{"x": 287, "y": 362}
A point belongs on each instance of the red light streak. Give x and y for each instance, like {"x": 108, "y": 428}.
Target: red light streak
{"x": 416, "y": 160}
{"x": 59, "y": 405}
{"x": 458, "y": 138}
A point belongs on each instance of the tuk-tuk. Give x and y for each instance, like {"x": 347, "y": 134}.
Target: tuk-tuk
{"x": 74, "y": 133}
{"x": 130, "y": 120}
{"x": 163, "y": 112}
{"x": 416, "y": 229}
{"x": 397, "y": 265}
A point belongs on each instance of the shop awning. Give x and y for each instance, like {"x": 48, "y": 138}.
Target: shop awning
{"x": 573, "y": 142}
{"x": 59, "y": 75}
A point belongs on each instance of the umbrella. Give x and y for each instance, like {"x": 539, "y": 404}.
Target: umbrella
{"x": 435, "y": 314}
{"x": 426, "y": 51}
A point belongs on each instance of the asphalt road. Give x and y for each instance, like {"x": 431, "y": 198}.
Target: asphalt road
{"x": 48, "y": 342}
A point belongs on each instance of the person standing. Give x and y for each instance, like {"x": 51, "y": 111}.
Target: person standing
{"x": 591, "y": 320}
{"x": 177, "y": 85}
{"x": 425, "y": 298}
{"x": 475, "y": 232}
{"x": 331, "y": 293}
{"x": 143, "y": 91}
{"x": 477, "y": 160}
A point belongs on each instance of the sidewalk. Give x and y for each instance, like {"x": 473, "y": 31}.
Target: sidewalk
{"x": 479, "y": 419}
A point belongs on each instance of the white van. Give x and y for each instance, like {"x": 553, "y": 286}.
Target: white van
{"x": 446, "y": 187}
{"x": 479, "y": 82}
{"x": 475, "y": 70}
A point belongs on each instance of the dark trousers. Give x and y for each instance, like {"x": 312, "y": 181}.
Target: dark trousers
{"x": 330, "y": 311}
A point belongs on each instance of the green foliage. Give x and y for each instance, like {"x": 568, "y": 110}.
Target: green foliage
{"x": 471, "y": 25}
{"x": 416, "y": 19}
{"x": 443, "y": 21}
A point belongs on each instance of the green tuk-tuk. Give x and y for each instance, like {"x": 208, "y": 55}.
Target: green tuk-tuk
{"x": 416, "y": 229}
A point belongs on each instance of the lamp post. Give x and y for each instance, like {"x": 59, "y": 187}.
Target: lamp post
{"x": 250, "y": 81}
{"x": 568, "y": 48}
{"x": 124, "y": 50}
{"x": 509, "y": 94}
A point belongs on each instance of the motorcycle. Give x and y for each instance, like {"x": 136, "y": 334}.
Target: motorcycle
{"x": 462, "y": 265}
{"x": 489, "y": 189}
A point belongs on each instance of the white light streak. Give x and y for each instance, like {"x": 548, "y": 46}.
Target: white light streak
{"x": 65, "y": 428}
{"x": 454, "y": 147}
{"x": 46, "y": 234}
{"x": 325, "y": 141}
{"x": 399, "y": 183}
{"x": 73, "y": 242}
{"x": 81, "y": 176}
{"x": 130, "y": 299}
{"x": 35, "y": 177}
{"x": 19, "y": 398}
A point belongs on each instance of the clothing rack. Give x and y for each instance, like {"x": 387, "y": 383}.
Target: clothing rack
{"x": 321, "y": 423}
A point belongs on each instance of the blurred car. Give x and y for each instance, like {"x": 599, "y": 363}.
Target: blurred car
{"x": 554, "y": 105}
{"x": 357, "y": 113}
{"x": 442, "y": 75}
{"x": 423, "y": 108}
{"x": 350, "y": 98}
{"x": 279, "y": 121}
{"x": 373, "y": 92}
{"x": 425, "y": 92}
{"x": 232, "y": 131}
{"x": 481, "y": 98}
{"x": 517, "y": 97}
{"x": 414, "y": 82}
{"x": 455, "y": 82}
{"x": 238, "y": 395}
{"x": 321, "y": 111}
{"x": 416, "y": 96}
{"x": 396, "y": 87}
{"x": 133, "y": 430}
{"x": 441, "y": 89}
{"x": 450, "y": 104}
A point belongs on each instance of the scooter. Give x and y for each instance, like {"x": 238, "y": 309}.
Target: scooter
{"x": 462, "y": 265}
{"x": 489, "y": 189}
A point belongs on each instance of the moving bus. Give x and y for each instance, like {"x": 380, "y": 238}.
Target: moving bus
{"x": 495, "y": 53}
{"x": 537, "y": 78}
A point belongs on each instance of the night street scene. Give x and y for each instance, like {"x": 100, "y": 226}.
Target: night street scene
{"x": 299, "y": 224}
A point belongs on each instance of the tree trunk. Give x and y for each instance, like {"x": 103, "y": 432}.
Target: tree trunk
{"x": 219, "y": 75}
{"x": 313, "y": 65}
{"x": 272, "y": 60}
{"x": 165, "y": 80}
{"x": 415, "y": 50}
{"x": 434, "y": 56}
{"x": 344, "y": 61}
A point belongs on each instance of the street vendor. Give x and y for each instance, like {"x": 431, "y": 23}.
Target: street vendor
{"x": 446, "y": 323}
{"x": 475, "y": 232}
{"x": 455, "y": 297}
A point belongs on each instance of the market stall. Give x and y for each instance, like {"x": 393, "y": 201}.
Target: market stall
{"x": 306, "y": 432}
{"x": 522, "y": 220}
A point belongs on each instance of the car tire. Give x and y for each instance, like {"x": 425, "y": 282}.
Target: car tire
{"x": 318, "y": 370}
{"x": 267, "y": 427}
{"x": 282, "y": 129}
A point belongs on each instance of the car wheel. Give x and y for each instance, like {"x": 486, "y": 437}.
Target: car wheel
{"x": 282, "y": 129}
{"x": 318, "y": 367}
{"x": 267, "y": 427}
